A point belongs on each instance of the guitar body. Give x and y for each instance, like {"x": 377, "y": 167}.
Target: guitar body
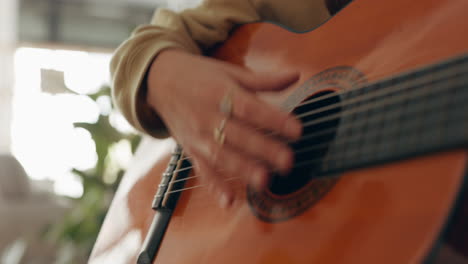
{"x": 391, "y": 213}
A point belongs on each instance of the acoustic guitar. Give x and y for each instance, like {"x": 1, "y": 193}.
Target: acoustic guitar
{"x": 379, "y": 171}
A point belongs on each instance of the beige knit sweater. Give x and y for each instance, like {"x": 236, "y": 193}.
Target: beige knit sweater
{"x": 194, "y": 30}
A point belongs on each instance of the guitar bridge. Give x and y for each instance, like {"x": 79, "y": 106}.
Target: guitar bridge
{"x": 167, "y": 176}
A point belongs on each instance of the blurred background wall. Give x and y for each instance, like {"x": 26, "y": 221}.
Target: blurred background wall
{"x": 82, "y": 23}
{"x": 8, "y": 29}
{"x": 63, "y": 146}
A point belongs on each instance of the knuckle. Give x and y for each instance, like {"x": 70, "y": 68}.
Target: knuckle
{"x": 212, "y": 148}
{"x": 244, "y": 109}
{"x": 251, "y": 142}
{"x": 279, "y": 121}
{"x": 253, "y": 166}
{"x": 253, "y": 169}
{"x": 249, "y": 170}
{"x": 206, "y": 149}
{"x": 234, "y": 163}
{"x": 273, "y": 149}
{"x": 232, "y": 133}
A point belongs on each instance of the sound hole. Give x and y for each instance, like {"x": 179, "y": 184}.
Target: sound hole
{"x": 310, "y": 150}
{"x": 334, "y": 6}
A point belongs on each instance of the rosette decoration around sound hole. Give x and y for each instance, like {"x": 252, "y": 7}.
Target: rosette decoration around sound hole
{"x": 290, "y": 195}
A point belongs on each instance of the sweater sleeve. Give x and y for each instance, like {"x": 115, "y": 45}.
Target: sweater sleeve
{"x": 192, "y": 30}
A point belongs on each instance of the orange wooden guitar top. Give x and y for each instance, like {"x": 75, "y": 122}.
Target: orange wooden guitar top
{"x": 386, "y": 214}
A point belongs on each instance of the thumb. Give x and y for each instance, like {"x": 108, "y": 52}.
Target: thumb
{"x": 267, "y": 81}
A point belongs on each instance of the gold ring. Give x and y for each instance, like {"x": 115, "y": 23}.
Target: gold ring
{"x": 218, "y": 133}
{"x": 225, "y": 106}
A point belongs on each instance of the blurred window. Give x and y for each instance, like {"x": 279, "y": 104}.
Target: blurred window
{"x": 44, "y": 139}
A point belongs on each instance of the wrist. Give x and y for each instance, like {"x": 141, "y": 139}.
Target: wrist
{"x": 159, "y": 75}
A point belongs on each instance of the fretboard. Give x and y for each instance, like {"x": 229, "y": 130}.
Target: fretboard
{"x": 412, "y": 114}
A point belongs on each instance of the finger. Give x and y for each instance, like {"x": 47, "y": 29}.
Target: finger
{"x": 264, "y": 81}
{"x": 258, "y": 145}
{"x": 234, "y": 164}
{"x": 251, "y": 110}
{"x": 215, "y": 182}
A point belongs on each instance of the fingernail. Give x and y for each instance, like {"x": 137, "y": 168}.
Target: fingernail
{"x": 259, "y": 179}
{"x": 224, "y": 200}
{"x": 284, "y": 161}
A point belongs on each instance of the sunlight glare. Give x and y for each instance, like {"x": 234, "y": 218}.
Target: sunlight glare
{"x": 44, "y": 139}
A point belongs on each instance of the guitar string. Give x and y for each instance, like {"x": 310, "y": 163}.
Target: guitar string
{"x": 459, "y": 62}
{"x": 199, "y": 186}
{"x": 389, "y": 132}
{"x": 386, "y": 101}
{"x": 424, "y": 91}
{"x": 340, "y": 142}
{"x": 337, "y": 157}
{"x": 323, "y": 132}
{"x": 368, "y": 96}
{"x": 328, "y": 107}
{"x": 378, "y": 93}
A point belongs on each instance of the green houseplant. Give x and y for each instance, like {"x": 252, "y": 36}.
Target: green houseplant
{"x": 76, "y": 233}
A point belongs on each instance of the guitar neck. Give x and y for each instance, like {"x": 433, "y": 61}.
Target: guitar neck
{"x": 415, "y": 113}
